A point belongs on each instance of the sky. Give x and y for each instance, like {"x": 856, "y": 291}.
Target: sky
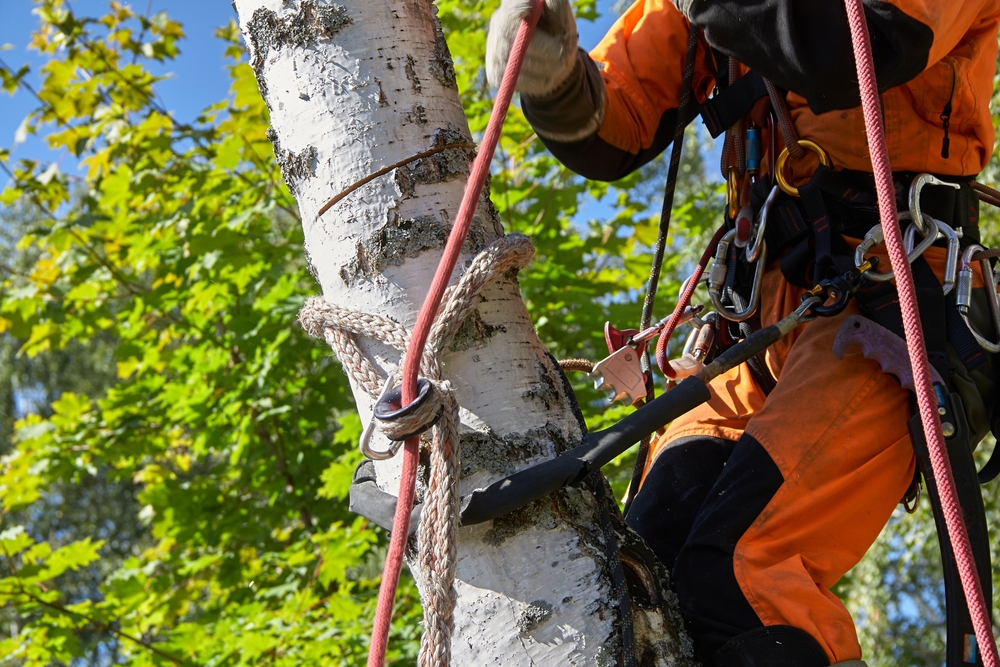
{"x": 198, "y": 75}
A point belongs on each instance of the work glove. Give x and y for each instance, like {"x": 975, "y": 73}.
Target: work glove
{"x": 551, "y": 54}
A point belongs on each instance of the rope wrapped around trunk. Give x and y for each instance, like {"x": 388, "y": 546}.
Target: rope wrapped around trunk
{"x": 436, "y": 536}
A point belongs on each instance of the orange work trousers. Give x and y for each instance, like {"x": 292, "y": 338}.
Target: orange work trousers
{"x": 799, "y": 484}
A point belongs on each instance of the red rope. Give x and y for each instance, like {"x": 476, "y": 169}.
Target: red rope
{"x": 926, "y": 401}
{"x": 682, "y": 303}
{"x": 411, "y": 366}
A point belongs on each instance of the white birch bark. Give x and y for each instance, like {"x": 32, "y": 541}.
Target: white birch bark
{"x": 353, "y": 86}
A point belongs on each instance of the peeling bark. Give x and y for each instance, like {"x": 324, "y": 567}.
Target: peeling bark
{"x": 356, "y": 85}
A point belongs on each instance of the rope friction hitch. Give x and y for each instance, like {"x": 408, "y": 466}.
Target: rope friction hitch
{"x": 598, "y": 449}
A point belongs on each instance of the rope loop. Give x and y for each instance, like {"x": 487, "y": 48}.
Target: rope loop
{"x": 434, "y": 406}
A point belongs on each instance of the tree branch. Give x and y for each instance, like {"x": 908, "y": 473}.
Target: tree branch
{"x": 100, "y": 625}
{"x": 385, "y": 170}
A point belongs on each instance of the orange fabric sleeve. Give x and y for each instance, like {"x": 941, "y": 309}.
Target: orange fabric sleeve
{"x": 642, "y": 58}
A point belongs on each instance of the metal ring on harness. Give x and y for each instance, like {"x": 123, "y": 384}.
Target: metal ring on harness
{"x": 733, "y": 193}
{"x": 717, "y": 277}
{"x": 964, "y": 296}
{"x": 779, "y": 165}
{"x": 875, "y": 236}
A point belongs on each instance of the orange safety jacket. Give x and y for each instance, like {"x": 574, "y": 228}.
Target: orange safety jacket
{"x": 935, "y": 61}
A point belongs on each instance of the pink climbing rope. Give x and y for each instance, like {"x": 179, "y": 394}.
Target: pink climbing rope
{"x": 685, "y": 298}
{"x": 926, "y": 401}
{"x": 411, "y": 365}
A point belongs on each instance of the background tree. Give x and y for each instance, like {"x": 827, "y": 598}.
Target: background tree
{"x": 173, "y": 269}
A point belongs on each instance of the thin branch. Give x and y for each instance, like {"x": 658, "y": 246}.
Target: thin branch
{"x": 385, "y": 170}
{"x": 101, "y": 625}
{"x": 27, "y": 86}
{"x": 278, "y": 446}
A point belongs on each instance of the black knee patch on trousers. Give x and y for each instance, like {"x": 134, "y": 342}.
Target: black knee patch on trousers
{"x": 673, "y": 492}
{"x": 773, "y": 646}
{"x": 711, "y": 600}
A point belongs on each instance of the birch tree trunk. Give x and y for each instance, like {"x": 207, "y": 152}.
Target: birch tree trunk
{"x": 354, "y": 87}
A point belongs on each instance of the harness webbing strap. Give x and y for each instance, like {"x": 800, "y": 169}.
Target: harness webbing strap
{"x": 959, "y": 621}
{"x": 729, "y": 106}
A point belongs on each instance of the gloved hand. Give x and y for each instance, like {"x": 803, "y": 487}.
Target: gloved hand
{"x": 551, "y": 54}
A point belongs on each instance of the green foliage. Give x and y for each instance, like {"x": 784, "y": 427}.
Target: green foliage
{"x": 230, "y": 433}
{"x": 179, "y": 257}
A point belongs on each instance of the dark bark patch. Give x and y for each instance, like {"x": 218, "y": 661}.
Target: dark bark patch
{"x": 312, "y": 22}
{"x": 533, "y": 615}
{"x": 474, "y": 333}
{"x": 442, "y": 67}
{"x": 509, "y": 525}
{"x": 545, "y": 390}
{"x": 438, "y": 168}
{"x": 382, "y": 100}
{"x": 393, "y": 244}
{"x": 405, "y": 238}
{"x": 487, "y": 451}
{"x": 295, "y": 167}
{"x": 417, "y": 114}
{"x": 411, "y": 74}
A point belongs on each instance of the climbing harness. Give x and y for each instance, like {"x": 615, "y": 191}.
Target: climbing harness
{"x": 764, "y": 217}
{"x": 817, "y": 260}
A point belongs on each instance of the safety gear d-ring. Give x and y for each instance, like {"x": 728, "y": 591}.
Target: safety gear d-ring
{"x": 779, "y": 165}
{"x": 963, "y": 296}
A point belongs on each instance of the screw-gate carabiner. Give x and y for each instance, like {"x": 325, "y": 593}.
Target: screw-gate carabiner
{"x": 702, "y": 337}
{"x": 964, "y": 296}
{"x": 757, "y": 240}
{"x": 717, "y": 278}
{"x": 876, "y": 235}
{"x": 951, "y": 260}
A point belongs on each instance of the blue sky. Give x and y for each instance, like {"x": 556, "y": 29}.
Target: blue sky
{"x": 198, "y": 75}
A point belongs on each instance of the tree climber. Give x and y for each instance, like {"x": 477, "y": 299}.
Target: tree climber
{"x": 760, "y": 500}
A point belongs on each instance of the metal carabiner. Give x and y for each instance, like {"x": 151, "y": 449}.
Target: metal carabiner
{"x": 703, "y": 278}
{"x": 757, "y": 240}
{"x": 964, "y": 296}
{"x": 945, "y": 231}
{"x": 701, "y": 338}
{"x": 876, "y": 235}
{"x": 916, "y": 186}
{"x": 718, "y": 278}
{"x": 365, "y": 441}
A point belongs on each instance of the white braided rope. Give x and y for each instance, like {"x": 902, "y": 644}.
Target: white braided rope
{"x": 436, "y": 543}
